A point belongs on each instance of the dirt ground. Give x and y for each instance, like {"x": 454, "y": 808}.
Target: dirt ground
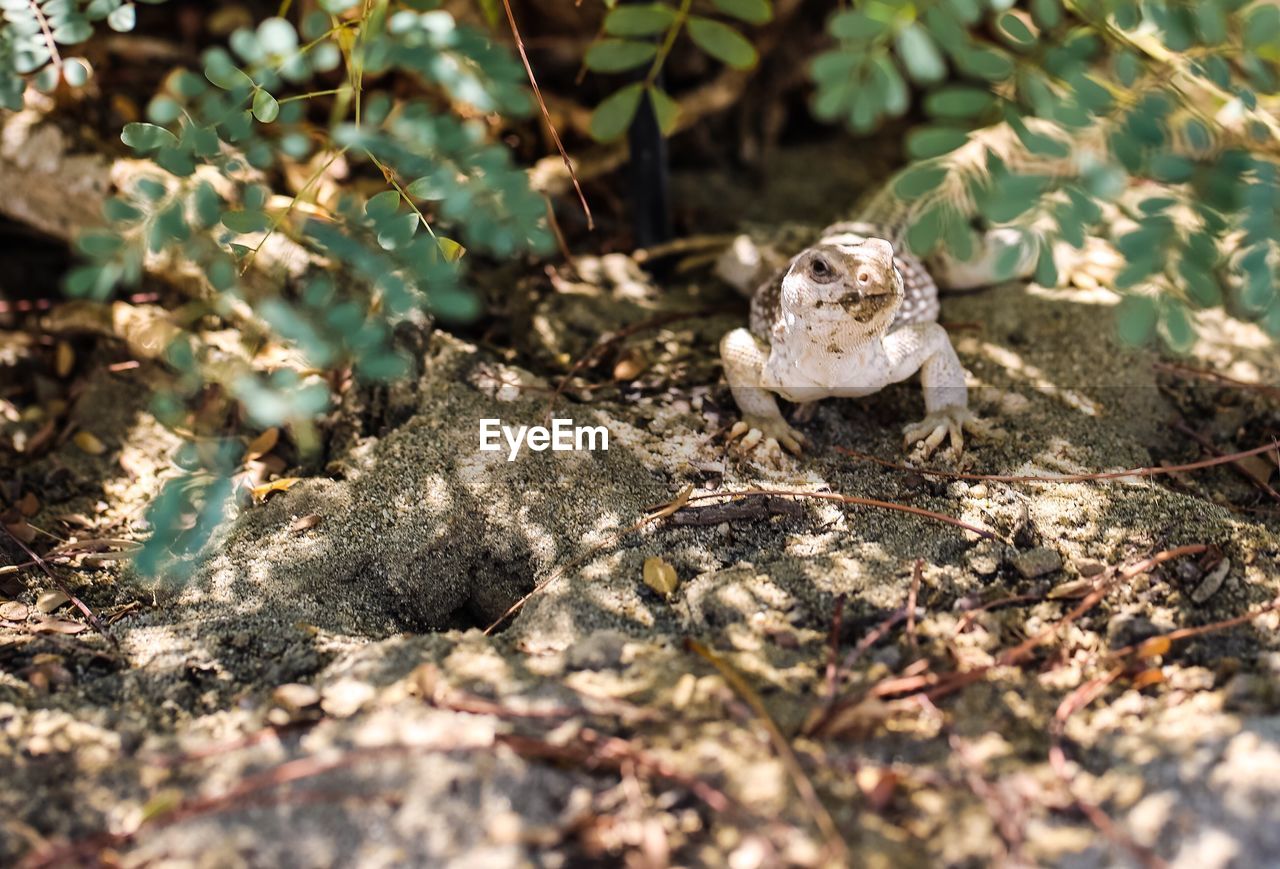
{"x": 323, "y": 691}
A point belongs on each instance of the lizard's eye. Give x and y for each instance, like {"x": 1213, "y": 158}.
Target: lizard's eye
{"x": 820, "y": 268}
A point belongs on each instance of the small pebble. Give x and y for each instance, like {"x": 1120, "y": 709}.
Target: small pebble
{"x": 1037, "y": 562}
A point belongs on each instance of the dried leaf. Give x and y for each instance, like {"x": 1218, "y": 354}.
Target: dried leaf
{"x": 262, "y": 444}
{"x": 676, "y": 504}
{"x": 13, "y": 610}
{"x": 50, "y": 600}
{"x": 88, "y": 442}
{"x": 1154, "y": 647}
{"x": 630, "y": 366}
{"x": 58, "y": 626}
{"x": 1073, "y": 589}
{"x": 660, "y": 576}
{"x": 1209, "y": 586}
{"x": 1147, "y": 678}
{"x": 303, "y": 523}
{"x": 64, "y": 359}
{"x": 22, "y": 531}
{"x": 29, "y": 505}
{"x": 261, "y": 493}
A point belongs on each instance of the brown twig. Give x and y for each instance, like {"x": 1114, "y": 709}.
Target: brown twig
{"x": 652, "y": 516}
{"x": 89, "y": 615}
{"x": 917, "y": 574}
{"x": 1187, "y": 371}
{"x": 592, "y": 355}
{"x": 1064, "y": 478}
{"x": 546, "y": 115}
{"x": 1075, "y": 701}
{"x": 804, "y": 786}
{"x": 855, "y": 500}
{"x": 833, "y": 650}
{"x": 1236, "y": 466}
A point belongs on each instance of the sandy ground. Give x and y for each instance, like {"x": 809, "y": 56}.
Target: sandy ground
{"x": 325, "y": 695}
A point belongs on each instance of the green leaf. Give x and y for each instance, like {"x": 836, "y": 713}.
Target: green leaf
{"x": 336, "y": 7}
{"x": 958, "y": 102}
{"x": 855, "y": 26}
{"x": 639, "y": 19}
{"x": 1047, "y": 13}
{"x": 918, "y": 180}
{"x": 1046, "y": 268}
{"x": 245, "y": 221}
{"x": 265, "y": 107}
{"x": 72, "y": 31}
{"x": 750, "y": 11}
{"x": 985, "y": 63}
{"x": 163, "y": 110}
{"x": 145, "y": 138}
{"x": 612, "y": 117}
{"x": 722, "y": 42}
{"x": 1015, "y": 31}
{"x": 99, "y": 244}
{"x": 1010, "y": 196}
{"x": 665, "y": 109}
{"x": 619, "y": 55}
{"x": 926, "y": 142}
{"x": 1176, "y": 326}
{"x": 920, "y": 55}
{"x": 1171, "y": 168}
{"x": 1135, "y": 319}
{"x": 75, "y": 71}
{"x": 277, "y": 36}
{"x": 123, "y": 19}
{"x": 382, "y": 205}
{"x": 925, "y": 232}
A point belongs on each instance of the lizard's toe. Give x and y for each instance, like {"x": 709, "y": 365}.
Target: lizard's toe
{"x": 774, "y": 434}
{"x": 936, "y": 428}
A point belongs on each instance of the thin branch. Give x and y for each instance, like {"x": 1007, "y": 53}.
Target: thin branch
{"x": 93, "y": 620}
{"x": 546, "y": 115}
{"x": 835, "y": 841}
{"x": 1064, "y": 478}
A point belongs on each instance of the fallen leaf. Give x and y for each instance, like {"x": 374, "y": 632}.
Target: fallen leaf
{"x": 1147, "y": 678}
{"x": 1073, "y": 589}
{"x": 88, "y": 442}
{"x": 1209, "y": 586}
{"x": 29, "y": 505}
{"x": 261, "y": 493}
{"x": 630, "y": 366}
{"x": 22, "y": 531}
{"x": 50, "y": 600}
{"x": 262, "y": 444}
{"x": 660, "y": 576}
{"x": 64, "y": 358}
{"x": 13, "y": 610}
{"x": 303, "y": 523}
{"x": 58, "y": 626}
{"x": 1154, "y": 647}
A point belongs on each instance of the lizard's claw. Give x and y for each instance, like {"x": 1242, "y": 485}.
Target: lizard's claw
{"x": 756, "y": 429}
{"x": 935, "y": 428}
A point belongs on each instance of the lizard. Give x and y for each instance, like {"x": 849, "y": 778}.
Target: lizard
{"x": 857, "y": 310}
{"x": 846, "y": 317}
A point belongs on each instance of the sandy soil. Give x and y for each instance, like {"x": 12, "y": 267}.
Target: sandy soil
{"x": 325, "y": 695}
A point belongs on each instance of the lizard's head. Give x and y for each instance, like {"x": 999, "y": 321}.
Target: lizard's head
{"x": 854, "y": 283}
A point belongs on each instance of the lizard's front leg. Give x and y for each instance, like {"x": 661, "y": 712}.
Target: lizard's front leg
{"x": 744, "y": 356}
{"x": 927, "y": 348}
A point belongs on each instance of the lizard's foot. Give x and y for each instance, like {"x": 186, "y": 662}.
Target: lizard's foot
{"x": 950, "y": 422}
{"x": 755, "y": 430}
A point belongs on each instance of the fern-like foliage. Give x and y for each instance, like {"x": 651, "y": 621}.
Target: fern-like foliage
{"x": 1159, "y": 112}
{"x": 281, "y": 102}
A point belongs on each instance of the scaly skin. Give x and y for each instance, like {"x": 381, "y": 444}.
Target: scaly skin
{"x": 840, "y": 322}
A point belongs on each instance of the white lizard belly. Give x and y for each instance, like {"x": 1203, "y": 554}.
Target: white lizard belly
{"x": 804, "y": 373}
